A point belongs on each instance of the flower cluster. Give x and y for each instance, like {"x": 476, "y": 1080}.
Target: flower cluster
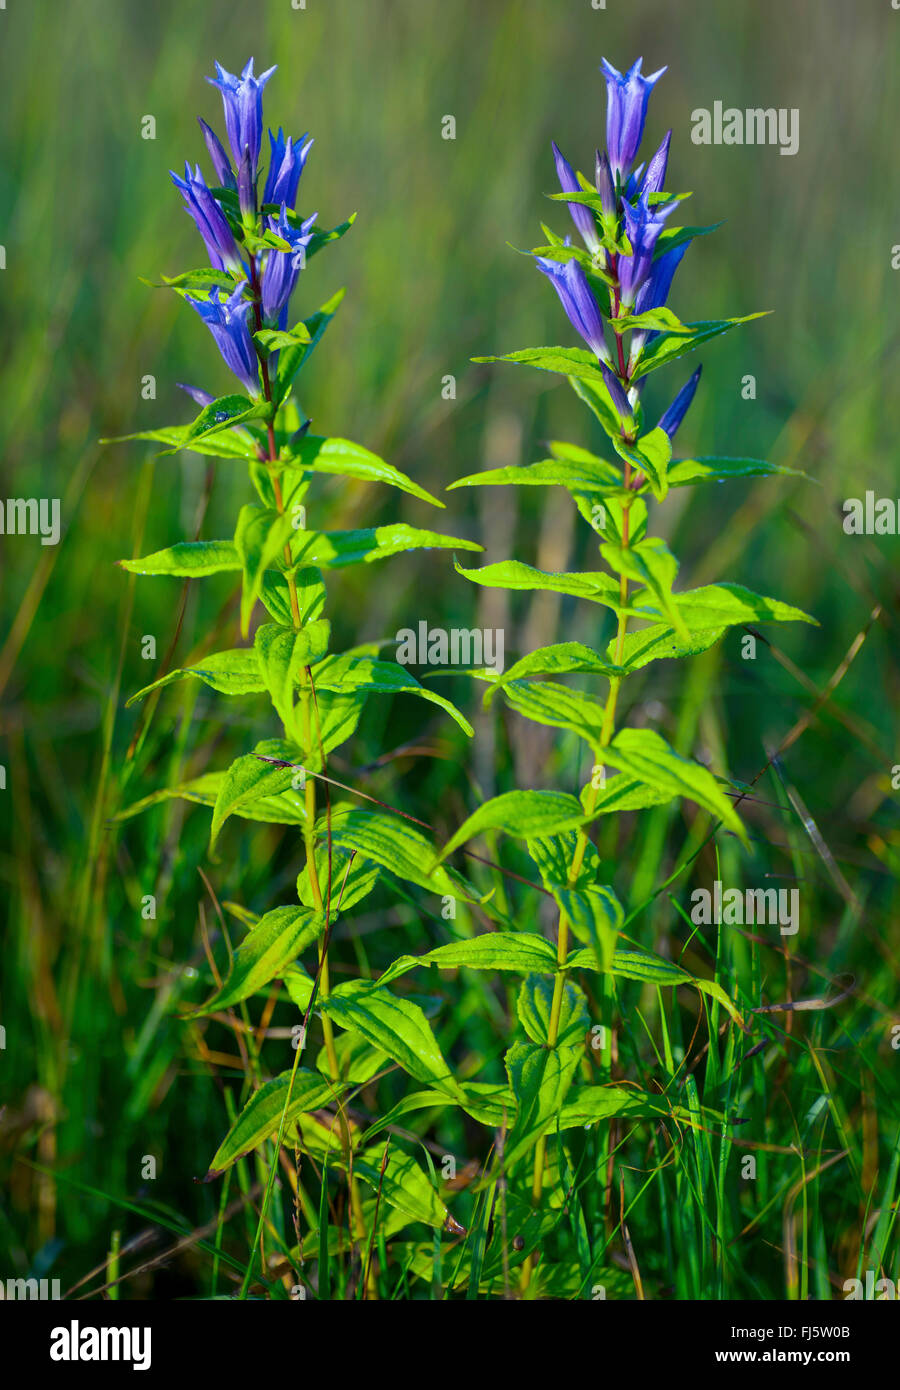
{"x": 621, "y": 219}
{"x": 260, "y": 249}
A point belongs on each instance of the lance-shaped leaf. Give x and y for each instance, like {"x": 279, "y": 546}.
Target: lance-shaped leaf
{"x": 540, "y": 1078}
{"x": 285, "y": 808}
{"x": 277, "y": 939}
{"x": 188, "y": 560}
{"x": 520, "y": 952}
{"x": 559, "y": 659}
{"x": 380, "y": 677}
{"x": 623, "y": 793}
{"x": 234, "y": 672}
{"x": 723, "y": 605}
{"x": 649, "y": 455}
{"x": 261, "y": 1116}
{"x": 644, "y": 754}
{"x": 653, "y": 565}
{"x": 653, "y": 970}
{"x": 393, "y": 843}
{"x": 283, "y": 653}
{"x": 349, "y": 885}
{"x": 686, "y": 472}
{"x": 403, "y": 1184}
{"x": 659, "y": 643}
{"x": 545, "y": 702}
{"x": 667, "y": 347}
{"x": 670, "y": 237}
{"x": 340, "y": 456}
{"x": 568, "y": 361}
{"x": 291, "y": 359}
{"x": 521, "y": 813}
{"x": 513, "y": 574}
{"x": 588, "y": 1104}
{"x": 260, "y": 538}
{"x": 396, "y": 1026}
{"x": 224, "y": 444}
{"x": 571, "y": 467}
{"x": 219, "y": 416}
{"x": 276, "y": 595}
{"x": 335, "y": 549}
{"x": 251, "y": 777}
{"x": 534, "y": 1006}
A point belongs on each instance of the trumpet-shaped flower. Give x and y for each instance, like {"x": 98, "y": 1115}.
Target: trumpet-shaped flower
{"x": 283, "y": 267}
{"x": 577, "y": 298}
{"x": 582, "y": 216}
{"x": 227, "y": 322}
{"x": 643, "y": 225}
{"x": 210, "y": 220}
{"x": 220, "y": 161}
{"x": 285, "y": 167}
{"x": 626, "y": 111}
{"x": 242, "y": 100}
{"x": 679, "y": 407}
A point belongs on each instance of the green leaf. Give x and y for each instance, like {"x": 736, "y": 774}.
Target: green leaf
{"x": 187, "y": 560}
{"x": 668, "y": 346}
{"x": 653, "y": 565}
{"x": 248, "y": 778}
{"x": 540, "y": 1078}
{"x": 653, "y": 970}
{"x": 569, "y": 361}
{"x": 396, "y": 1026}
{"x": 684, "y": 472}
{"x": 653, "y": 320}
{"x": 277, "y": 939}
{"x": 545, "y": 702}
{"x": 285, "y": 808}
{"x": 589, "y": 1104}
{"x": 283, "y": 653}
{"x": 534, "y": 1006}
{"x": 596, "y": 397}
{"x": 276, "y": 595}
{"x": 660, "y": 643}
{"x": 559, "y": 659}
{"x": 292, "y": 359}
{"x": 335, "y": 549}
{"x": 273, "y": 339}
{"x": 670, "y": 237}
{"x": 513, "y": 574}
{"x": 219, "y": 416}
{"x": 522, "y": 952}
{"x": 261, "y": 1116}
{"x": 573, "y": 468}
{"x": 393, "y": 843}
{"x": 232, "y": 443}
{"x": 404, "y": 1185}
{"x": 235, "y": 672}
{"x": 350, "y": 887}
{"x": 649, "y": 455}
{"x": 381, "y": 677}
{"x": 259, "y": 539}
{"x": 723, "y": 605}
{"x": 348, "y": 460}
{"x": 521, "y": 813}
{"x": 644, "y": 754}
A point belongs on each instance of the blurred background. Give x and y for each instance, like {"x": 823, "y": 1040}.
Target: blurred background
{"x": 97, "y": 1071}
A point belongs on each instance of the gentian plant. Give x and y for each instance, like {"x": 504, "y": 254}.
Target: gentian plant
{"x": 259, "y": 247}
{"x": 613, "y": 281}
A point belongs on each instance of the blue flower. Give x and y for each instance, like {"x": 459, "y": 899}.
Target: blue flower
{"x": 655, "y": 290}
{"x": 679, "y": 407}
{"x": 227, "y": 322}
{"x": 283, "y": 267}
{"x": 655, "y": 176}
{"x": 643, "y": 225}
{"x": 581, "y": 215}
{"x": 285, "y": 167}
{"x": 606, "y": 185}
{"x": 210, "y": 220}
{"x": 626, "y": 111}
{"x": 242, "y": 100}
{"x": 617, "y": 392}
{"x": 571, "y": 284}
{"x": 220, "y": 161}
